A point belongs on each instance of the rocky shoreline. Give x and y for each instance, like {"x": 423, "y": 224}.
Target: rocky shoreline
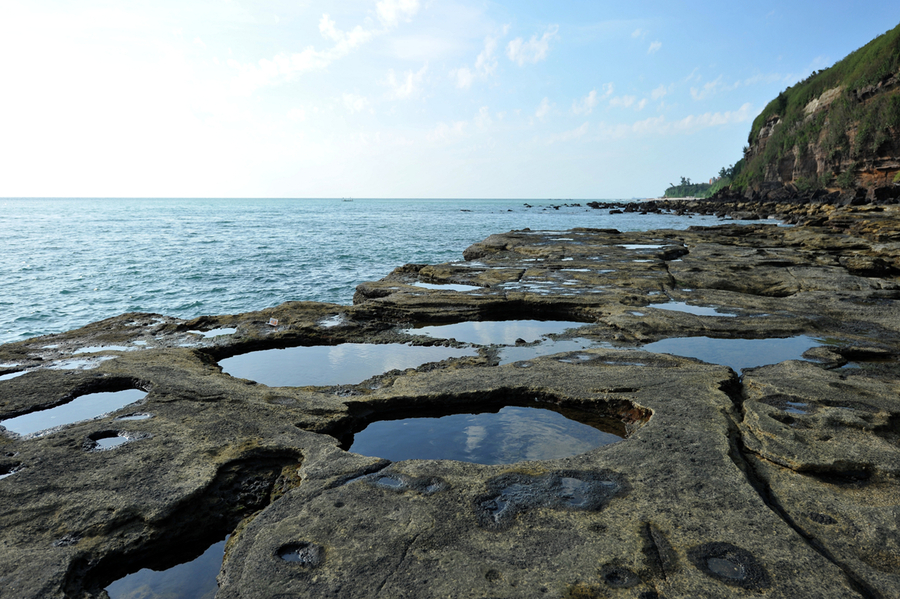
{"x": 781, "y": 480}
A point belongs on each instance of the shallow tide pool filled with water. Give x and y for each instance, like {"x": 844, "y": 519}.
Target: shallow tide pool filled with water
{"x": 79, "y": 409}
{"x": 499, "y": 332}
{"x": 513, "y": 434}
{"x": 737, "y": 354}
{"x": 192, "y": 580}
{"x": 344, "y": 364}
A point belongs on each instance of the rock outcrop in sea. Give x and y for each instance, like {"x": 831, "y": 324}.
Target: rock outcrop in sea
{"x": 780, "y": 480}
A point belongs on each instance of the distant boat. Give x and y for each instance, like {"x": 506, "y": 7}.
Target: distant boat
{"x": 346, "y": 199}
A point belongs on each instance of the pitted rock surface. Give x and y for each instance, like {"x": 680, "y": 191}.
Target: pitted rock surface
{"x": 778, "y": 483}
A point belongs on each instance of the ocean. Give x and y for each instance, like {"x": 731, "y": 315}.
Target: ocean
{"x": 68, "y": 262}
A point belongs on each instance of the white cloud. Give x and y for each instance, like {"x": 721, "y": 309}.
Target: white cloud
{"x": 576, "y": 133}
{"x": 355, "y": 103}
{"x": 622, "y": 101}
{"x": 713, "y": 87}
{"x": 485, "y": 65}
{"x": 760, "y": 78}
{"x": 408, "y": 86}
{"x": 608, "y": 89}
{"x": 445, "y": 132}
{"x": 659, "y": 92}
{"x": 298, "y": 115}
{"x": 653, "y": 125}
{"x": 638, "y": 33}
{"x": 543, "y": 109}
{"x": 463, "y": 77}
{"x": 654, "y": 47}
{"x": 345, "y": 40}
{"x": 483, "y": 118}
{"x": 641, "y": 104}
{"x": 199, "y": 42}
{"x": 694, "y": 76}
{"x": 710, "y": 119}
{"x": 534, "y": 50}
{"x": 391, "y": 12}
{"x": 690, "y": 124}
{"x": 485, "y": 62}
{"x": 285, "y": 66}
{"x": 586, "y": 105}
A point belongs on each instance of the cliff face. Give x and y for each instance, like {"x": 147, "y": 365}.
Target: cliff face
{"x": 870, "y": 165}
{"x": 836, "y": 132}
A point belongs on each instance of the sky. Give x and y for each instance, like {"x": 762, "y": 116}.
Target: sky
{"x": 398, "y": 98}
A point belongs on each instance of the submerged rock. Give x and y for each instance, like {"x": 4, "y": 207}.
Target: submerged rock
{"x": 779, "y": 480}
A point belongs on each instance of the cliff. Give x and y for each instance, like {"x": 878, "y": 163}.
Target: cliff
{"x": 836, "y": 133}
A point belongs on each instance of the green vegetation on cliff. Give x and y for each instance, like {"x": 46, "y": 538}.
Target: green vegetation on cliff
{"x": 839, "y": 116}
{"x": 686, "y": 189}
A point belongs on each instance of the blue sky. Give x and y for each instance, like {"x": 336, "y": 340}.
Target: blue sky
{"x": 397, "y": 98}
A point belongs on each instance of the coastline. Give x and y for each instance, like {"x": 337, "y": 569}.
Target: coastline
{"x": 679, "y": 493}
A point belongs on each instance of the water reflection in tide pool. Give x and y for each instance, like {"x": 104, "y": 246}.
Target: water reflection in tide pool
{"x": 737, "y": 354}
{"x": 192, "y": 580}
{"x": 344, "y": 364}
{"x": 691, "y": 309}
{"x": 79, "y": 409}
{"x": 500, "y": 332}
{"x": 509, "y": 355}
{"x": 448, "y": 287}
{"x": 513, "y": 434}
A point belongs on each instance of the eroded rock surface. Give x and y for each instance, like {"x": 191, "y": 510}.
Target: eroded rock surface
{"x": 781, "y": 482}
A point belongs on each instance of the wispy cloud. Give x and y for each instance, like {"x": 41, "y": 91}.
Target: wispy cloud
{"x": 485, "y": 64}
{"x": 713, "y": 87}
{"x": 638, "y": 33}
{"x": 622, "y": 101}
{"x": 586, "y": 105}
{"x": 543, "y": 109}
{"x": 570, "y": 135}
{"x": 483, "y": 118}
{"x": 534, "y": 50}
{"x": 446, "y": 132}
{"x": 391, "y": 12}
{"x": 285, "y": 66}
{"x": 661, "y": 126}
{"x": 462, "y": 77}
{"x": 760, "y": 78}
{"x": 486, "y": 61}
{"x": 661, "y": 91}
{"x": 355, "y": 102}
{"x": 406, "y": 86}
{"x": 654, "y": 47}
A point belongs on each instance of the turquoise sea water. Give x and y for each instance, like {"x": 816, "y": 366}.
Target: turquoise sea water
{"x": 69, "y": 262}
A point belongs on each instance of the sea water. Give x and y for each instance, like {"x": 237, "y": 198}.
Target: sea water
{"x": 70, "y": 262}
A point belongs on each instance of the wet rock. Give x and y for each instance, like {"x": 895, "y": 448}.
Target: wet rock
{"x": 510, "y": 495}
{"x": 731, "y": 565}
